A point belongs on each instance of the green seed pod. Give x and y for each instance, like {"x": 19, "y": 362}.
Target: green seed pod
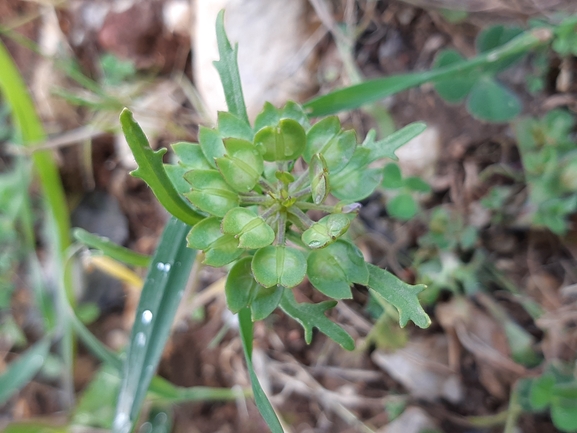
{"x": 326, "y": 230}
{"x": 284, "y": 142}
{"x": 210, "y": 192}
{"x": 319, "y": 178}
{"x": 242, "y": 165}
{"x": 279, "y": 265}
{"x": 251, "y": 230}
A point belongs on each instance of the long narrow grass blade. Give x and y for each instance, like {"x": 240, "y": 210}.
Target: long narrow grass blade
{"x": 31, "y": 131}
{"x": 357, "y": 95}
{"x": 159, "y": 389}
{"x": 21, "y": 371}
{"x": 227, "y": 68}
{"x": 260, "y": 398}
{"x": 159, "y": 300}
{"x": 111, "y": 249}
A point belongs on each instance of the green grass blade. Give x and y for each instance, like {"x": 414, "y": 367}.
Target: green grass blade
{"x": 111, "y": 249}
{"x": 355, "y": 96}
{"x": 151, "y": 170}
{"x": 159, "y": 300}
{"x": 260, "y": 398}
{"x": 31, "y": 131}
{"x": 227, "y": 67}
{"x": 21, "y": 371}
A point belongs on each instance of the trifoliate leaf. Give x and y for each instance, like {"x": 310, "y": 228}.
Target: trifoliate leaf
{"x": 417, "y": 184}
{"x": 489, "y": 100}
{"x": 402, "y": 206}
{"x": 279, "y": 265}
{"x": 319, "y": 178}
{"x": 332, "y": 270}
{"x": 211, "y": 144}
{"x": 219, "y": 249}
{"x": 401, "y": 295}
{"x": 456, "y": 88}
{"x": 283, "y": 142}
{"x": 327, "y": 230}
{"x": 251, "y": 230}
{"x": 541, "y": 391}
{"x": 210, "y": 192}
{"x": 563, "y": 404}
{"x": 242, "y": 165}
{"x": 392, "y": 177}
{"x": 356, "y": 181}
{"x": 313, "y": 316}
{"x": 493, "y": 37}
{"x": 230, "y": 126}
{"x": 336, "y": 146}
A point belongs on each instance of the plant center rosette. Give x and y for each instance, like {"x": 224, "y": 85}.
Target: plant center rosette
{"x": 257, "y": 187}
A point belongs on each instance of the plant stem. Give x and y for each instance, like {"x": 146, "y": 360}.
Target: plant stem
{"x": 312, "y": 206}
{"x": 302, "y": 217}
{"x": 302, "y": 192}
{"x": 281, "y": 228}
{"x": 302, "y": 180}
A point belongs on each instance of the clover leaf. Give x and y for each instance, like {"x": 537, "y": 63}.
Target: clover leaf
{"x": 487, "y": 98}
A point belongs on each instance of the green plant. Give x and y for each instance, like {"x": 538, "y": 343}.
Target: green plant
{"x": 403, "y": 204}
{"x": 246, "y": 191}
{"x": 549, "y": 161}
{"x": 487, "y": 99}
{"x": 554, "y": 390}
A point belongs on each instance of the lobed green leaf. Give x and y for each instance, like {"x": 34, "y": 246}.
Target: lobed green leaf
{"x": 401, "y": 295}
{"x": 312, "y": 316}
{"x": 227, "y": 68}
{"x": 151, "y": 170}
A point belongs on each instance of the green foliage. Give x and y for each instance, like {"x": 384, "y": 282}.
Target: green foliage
{"x": 549, "y": 159}
{"x": 159, "y": 300}
{"x": 565, "y": 42}
{"x": 453, "y": 68}
{"x": 403, "y": 205}
{"x": 487, "y": 99}
{"x": 556, "y": 390}
{"x": 248, "y": 197}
